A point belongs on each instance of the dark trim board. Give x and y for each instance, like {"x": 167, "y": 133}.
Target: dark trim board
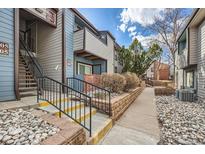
{"x": 63, "y": 48}
{"x": 16, "y": 53}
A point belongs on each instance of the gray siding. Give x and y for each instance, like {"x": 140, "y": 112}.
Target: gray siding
{"x": 193, "y": 46}
{"x": 49, "y": 50}
{"x": 7, "y": 61}
{"x": 78, "y": 40}
{"x": 201, "y": 60}
{"x": 69, "y": 26}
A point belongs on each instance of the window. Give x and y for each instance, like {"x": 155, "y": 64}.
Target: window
{"x": 152, "y": 69}
{"x": 190, "y": 79}
{"x": 84, "y": 69}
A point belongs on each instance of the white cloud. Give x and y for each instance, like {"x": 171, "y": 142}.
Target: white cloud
{"x": 132, "y": 34}
{"x": 122, "y": 27}
{"x": 145, "y": 40}
{"x": 142, "y": 16}
{"x": 131, "y": 29}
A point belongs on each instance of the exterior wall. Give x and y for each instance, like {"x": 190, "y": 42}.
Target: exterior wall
{"x": 182, "y": 57}
{"x": 90, "y": 62}
{"x": 49, "y": 50}
{"x": 201, "y": 60}
{"x": 193, "y": 46}
{"x": 178, "y": 72}
{"x": 7, "y": 61}
{"x": 163, "y": 74}
{"x": 150, "y": 73}
{"x": 69, "y": 27}
{"x": 102, "y": 63}
{"x": 95, "y": 46}
{"x": 78, "y": 40}
{"x": 98, "y": 48}
{"x": 117, "y": 63}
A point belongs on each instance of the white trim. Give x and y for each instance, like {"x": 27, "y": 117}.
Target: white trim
{"x": 90, "y": 66}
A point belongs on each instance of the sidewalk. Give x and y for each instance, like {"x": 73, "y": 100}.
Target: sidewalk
{"x": 138, "y": 125}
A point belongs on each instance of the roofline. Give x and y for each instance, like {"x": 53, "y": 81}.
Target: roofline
{"x": 76, "y": 12}
{"x": 188, "y": 22}
{"x": 117, "y": 45}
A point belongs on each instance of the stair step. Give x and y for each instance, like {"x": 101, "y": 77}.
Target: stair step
{"x": 28, "y": 84}
{"x": 78, "y": 111}
{"x": 28, "y": 93}
{"x": 45, "y": 103}
{"x": 24, "y": 89}
{"x": 25, "y": 75}
{"x": 24, "y": 71}
{"x": 29, "y": 80}
{"x": 23, "y": 68}
{"x": 101, "y": 125}
{"x": 66, "y": 106}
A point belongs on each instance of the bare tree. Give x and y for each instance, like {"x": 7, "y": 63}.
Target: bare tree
{"x": 168, "y": 26}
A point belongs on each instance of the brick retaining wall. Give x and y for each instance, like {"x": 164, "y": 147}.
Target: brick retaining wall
{"x": 121, "y": 103}
{"x": 70, "y": 133}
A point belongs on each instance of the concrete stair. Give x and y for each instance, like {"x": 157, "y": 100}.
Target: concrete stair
{"x": 101, "y": 123}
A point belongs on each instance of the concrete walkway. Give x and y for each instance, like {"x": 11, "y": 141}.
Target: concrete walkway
{"x": 138, "y": 125}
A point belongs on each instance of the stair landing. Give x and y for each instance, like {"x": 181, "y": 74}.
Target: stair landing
{"x": 25, "y": 103}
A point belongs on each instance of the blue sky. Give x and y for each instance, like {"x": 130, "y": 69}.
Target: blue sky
{"x": 107, "y": 19}
{"x": 125, "y": 24}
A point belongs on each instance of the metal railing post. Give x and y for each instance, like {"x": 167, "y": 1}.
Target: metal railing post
{"x": 110, "y": 105}
{"x": 38, "y": 90}
{"x": 90, "y": 117}
{"x": 60, "y": 101}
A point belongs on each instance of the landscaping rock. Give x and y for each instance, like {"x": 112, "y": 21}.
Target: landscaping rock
{"x": 181, "y": 122}
{"x": 22, "y": 127}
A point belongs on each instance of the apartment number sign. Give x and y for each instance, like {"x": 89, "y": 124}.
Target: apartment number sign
{"x": 4, "y": 48}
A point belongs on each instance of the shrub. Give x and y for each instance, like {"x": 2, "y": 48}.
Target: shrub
{"x": 164, "y": 91}
{"x": 113, "y": 82}
{"x": 132, "y": 81}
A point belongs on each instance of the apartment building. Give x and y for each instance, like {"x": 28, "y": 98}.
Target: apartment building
{"x": 117, "y": 64}
{"x": 58, "y": 43}
{"x": 158, "y": 71}
{"x": 190, "y": 57}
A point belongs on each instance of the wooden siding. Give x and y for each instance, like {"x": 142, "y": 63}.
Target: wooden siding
{"x": 98, "y": 48}
{"x": 69, "y": 27}
{"x": 201, "y": 60}
{"x": 95, "y": 46}
{"x": 192, "y": 46}
{"x": 183, "y": 59}
{"x": 49, "y": 48}
{"x": 78, "y": 40}
{"x": 7, "y": 61}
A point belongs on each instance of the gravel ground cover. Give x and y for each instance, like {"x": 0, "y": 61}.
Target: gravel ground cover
{"x": 20, "y": 127}
{"x": 181, "y": 122}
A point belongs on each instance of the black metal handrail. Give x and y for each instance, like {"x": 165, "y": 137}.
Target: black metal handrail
{"x": 70, "y": 102}
{"x": 100, "y": 97}
{"x": 30, "y": 60}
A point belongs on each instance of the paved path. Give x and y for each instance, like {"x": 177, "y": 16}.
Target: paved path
{"x": 138, "y": 125}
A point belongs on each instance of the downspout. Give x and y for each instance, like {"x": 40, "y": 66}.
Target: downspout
{"x": 16, "y": 53}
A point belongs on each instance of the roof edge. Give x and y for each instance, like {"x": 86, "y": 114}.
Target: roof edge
{"x": 188, "y": 22}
